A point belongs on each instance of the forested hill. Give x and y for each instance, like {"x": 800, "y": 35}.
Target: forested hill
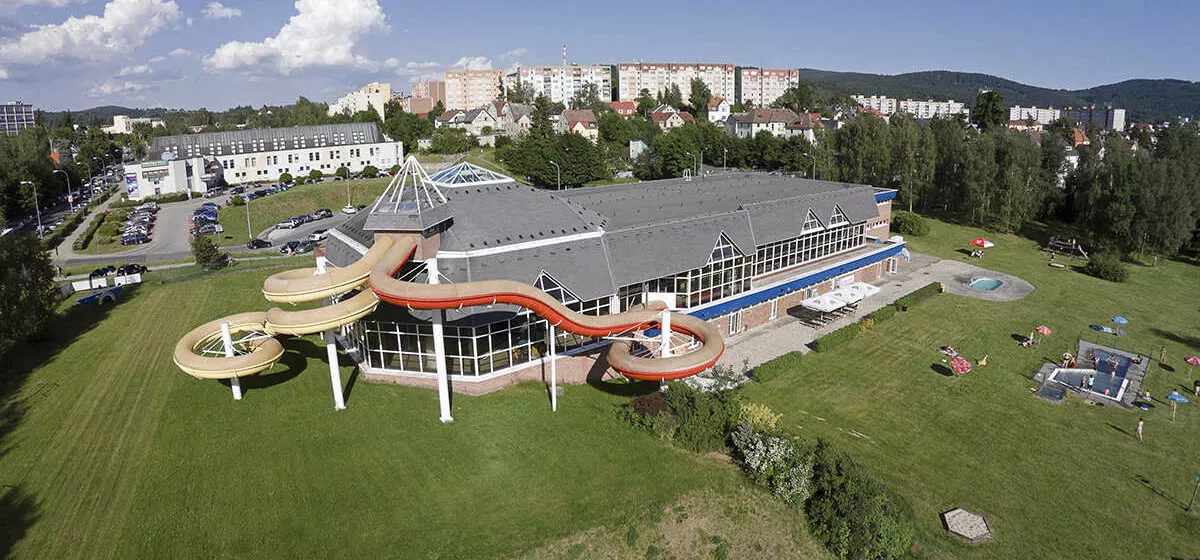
{"x": 1149, "y": 100}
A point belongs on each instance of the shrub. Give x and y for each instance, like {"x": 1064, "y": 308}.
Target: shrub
{"x": 704, "y": 418}
{"x": 866, "y": 324}
{"x": 908, "y": 223}
{"x": 286, "y": 178}
{"x": 759, "y": 417}
{"x": 768, "y": 371}
{"x": 882, "y": 314}
{"x": 370, "y": 171}
{"x": 853, "y": 514}
{"x": 653, "y": 414}
{"x": 835, "y": 338}
{"x": 1107, "y": 266}
{"x": 342, "y": 172}
{"x": 774, "y": 461}
{"x": 921, "y": 294}
{"x": 207, "y": 255}
{"x": 61, "y": 232}
{"x": 315, "y": 175}
{"x": 394, "y": 169}
{"x": 237, "y": 200}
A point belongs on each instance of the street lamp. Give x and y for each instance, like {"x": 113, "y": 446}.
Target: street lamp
{"x": 348, "y": 192}
{"x": 249, "y": 230}
{"x": 70, "y": 196}
{"x": 693, "y": 159}
{"x": 36, "y": 209}
{"x": 814, "y": 165}
{"x": 557, "y": 173}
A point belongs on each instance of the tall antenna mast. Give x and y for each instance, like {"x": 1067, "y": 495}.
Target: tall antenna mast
{"x": 564, "y": 54}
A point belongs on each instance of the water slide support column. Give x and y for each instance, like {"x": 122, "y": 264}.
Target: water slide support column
{"x": 553, "y": 370}
{"x": 227, "y": 341}
{"x": 664, "y": 325}
{"x": 335, "y": 373}
{"x": 439, "y": 348}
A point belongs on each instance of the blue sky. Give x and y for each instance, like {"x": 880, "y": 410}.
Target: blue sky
{"x": 76, "y": 54}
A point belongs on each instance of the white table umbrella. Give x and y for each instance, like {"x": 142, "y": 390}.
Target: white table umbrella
{"x": 824, "y": 303}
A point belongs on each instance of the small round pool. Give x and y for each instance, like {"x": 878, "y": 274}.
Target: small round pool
{"x": 985, "y": 284}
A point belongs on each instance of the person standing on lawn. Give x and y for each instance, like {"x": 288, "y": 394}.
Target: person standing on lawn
{"x": 1139, "y": 429}
{"x": 1162, "y": 356}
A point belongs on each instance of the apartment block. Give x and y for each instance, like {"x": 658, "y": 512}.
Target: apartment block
{"x": 1037, "y": 114}
{"x": 1094, "y": 117}
{"x": 373, "y": 96}
{"x": 632, "y": 77}
{"x": 762, "y": 86}
{"x": 15, "y": 117}
{"x": 885, "y": 105}
{"x": 929, "y": 109}
{"x": 434, "y": 90}
{"x": 469, "y": 89}
{"x": 560, "y": 83}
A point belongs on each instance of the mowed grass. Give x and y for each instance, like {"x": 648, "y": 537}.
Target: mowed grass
{"x": 301, "y": 199}
{"x": 1055, "y": 481}
{"x": 110, "y": 451}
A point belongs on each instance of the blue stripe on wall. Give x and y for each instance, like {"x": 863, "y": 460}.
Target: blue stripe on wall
{"x": 884, "y": 196}
{"x": 797, "y": 284}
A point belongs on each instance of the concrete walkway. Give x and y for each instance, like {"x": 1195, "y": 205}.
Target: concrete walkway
{"x": 789, "y": 334}
{"x": 66, "y": 249}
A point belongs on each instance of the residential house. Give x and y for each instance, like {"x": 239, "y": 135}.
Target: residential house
{"x": 718, "y": 110}
{"x": 768, "y": 119}
{"x": 582, "y": 122}
{"x": 624, "y": 108}
{"x": 806, "y": 125}
{"x": 670, "y": 120}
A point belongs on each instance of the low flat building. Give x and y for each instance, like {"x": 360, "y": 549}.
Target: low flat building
{"x": 263, "y": 154}
{"x": 123, "y": 124}
{"x": 154, "y": 178}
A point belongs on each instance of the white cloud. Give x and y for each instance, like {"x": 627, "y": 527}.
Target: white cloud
{"x": 124, "y": 26}
{"x": 323, "y": 34}
{"x": 49, "y": 3}
{"x": 515, "y": 53}
{"x": 472, "y": 63}
{"x": 139, "y": 70}
{"x": 217, "y": 10}
{"x": 189, "y": 22}
{"x": 157, "y": 59}
{"x": 180, "y": 52}
{"x": 112, "y": 88}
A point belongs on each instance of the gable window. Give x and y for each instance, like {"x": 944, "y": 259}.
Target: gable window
{"x": 811, "y": 223}
{"x": 838, "y": 219}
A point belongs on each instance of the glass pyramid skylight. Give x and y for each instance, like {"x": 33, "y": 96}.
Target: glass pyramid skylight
{"x": 464, "y": 174}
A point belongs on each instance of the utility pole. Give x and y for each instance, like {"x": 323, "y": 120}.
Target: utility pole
{"x": 36, "y": 209}
{"x": 70, "y": 196}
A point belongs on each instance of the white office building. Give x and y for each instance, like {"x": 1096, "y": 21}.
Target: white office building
{"x": 123, "y": 124}
{"x": 1037, "y": 114}
{"x": 263, "y": 154}
{"x": 656, "y": 77}
{"x": 373, "y": 96}
{"x": 162, "y": 177}
{"x": 559, "y": 84}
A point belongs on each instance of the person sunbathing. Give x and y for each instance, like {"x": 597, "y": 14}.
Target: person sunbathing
{"x": 949, "y": 350}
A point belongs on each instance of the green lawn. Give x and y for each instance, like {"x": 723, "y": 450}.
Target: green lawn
{"x": 1056, "y": 481}
{"x": 112, "y": 452}
{"x": 301, "y": 199}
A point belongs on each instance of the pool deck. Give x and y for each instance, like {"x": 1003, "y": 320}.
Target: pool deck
{"x": 1133, "y": 376}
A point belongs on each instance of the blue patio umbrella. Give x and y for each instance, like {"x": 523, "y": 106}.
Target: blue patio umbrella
{"x": 1120, "y": 320}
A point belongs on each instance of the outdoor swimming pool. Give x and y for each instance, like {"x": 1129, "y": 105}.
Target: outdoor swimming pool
{"x": 1108, "y": 369}
{"x": 985, "y": 284}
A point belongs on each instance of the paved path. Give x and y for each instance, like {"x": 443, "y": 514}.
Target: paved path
{"x": 268, "y": 256}
{"x": 788, "y": 334}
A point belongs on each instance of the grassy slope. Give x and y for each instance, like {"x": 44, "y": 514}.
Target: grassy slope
{"x": 301, "y": 199}
{"x": 1055, "y": 481}
{"x": 126, "y": 456}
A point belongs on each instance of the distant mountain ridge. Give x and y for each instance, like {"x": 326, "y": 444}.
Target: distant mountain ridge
{"x": 1154, "y": 100}
{"x": 1143, "y": 99}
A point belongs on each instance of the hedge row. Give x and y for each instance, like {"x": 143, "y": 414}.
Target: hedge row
{"x": 177, "y": 197}
{"x": 848, "y": 332}
{"x": 61, "y": 232}
{"x": 83, "y": 240}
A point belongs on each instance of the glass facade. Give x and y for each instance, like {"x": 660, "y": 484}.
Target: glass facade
{"x": 521, "y": 339}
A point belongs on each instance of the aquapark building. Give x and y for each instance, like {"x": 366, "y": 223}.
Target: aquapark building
{"x": 470, "y": 279}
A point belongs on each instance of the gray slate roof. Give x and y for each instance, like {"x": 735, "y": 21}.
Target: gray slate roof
{"x": 650, "y": 229}
{"x": 255, "y": 140}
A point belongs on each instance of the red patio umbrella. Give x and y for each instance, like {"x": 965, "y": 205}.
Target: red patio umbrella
{"x": 981, "y": 242}
{"x": 960, "y": 365}
{"x": 1043, "y": 330}
{"x": 1192, "y": 361}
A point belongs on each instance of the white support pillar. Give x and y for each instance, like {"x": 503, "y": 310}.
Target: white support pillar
{"x": 335, "y": 373}
{"x": 665, "y": 327}
{"x": 553, "y": 369}
{"x": 227, "y": 340}
{"x": 439, "y": 348}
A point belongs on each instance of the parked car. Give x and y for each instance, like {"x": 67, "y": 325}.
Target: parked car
{"x": 211, "y": 205}
{"x": 237, "y": 190}
{"x": 319, "y": 235}
{"x": 289, "y": 247}
{"x": 322, "y": 213}
{"x": 261, "y": 193}
{"x": 202, "y": 220}
{"x": 132, "y": 268}
{"x": 101, "y": 272}
{"x": 206, "y": 229}
{"x": 257, "y": 243}
{"x": 214, "y": 193}
{"x": 348, "y": 209}
{"x": 303, "y": 218}
{"x": 134, "y": 239}
{"x": 289, "y": 223}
